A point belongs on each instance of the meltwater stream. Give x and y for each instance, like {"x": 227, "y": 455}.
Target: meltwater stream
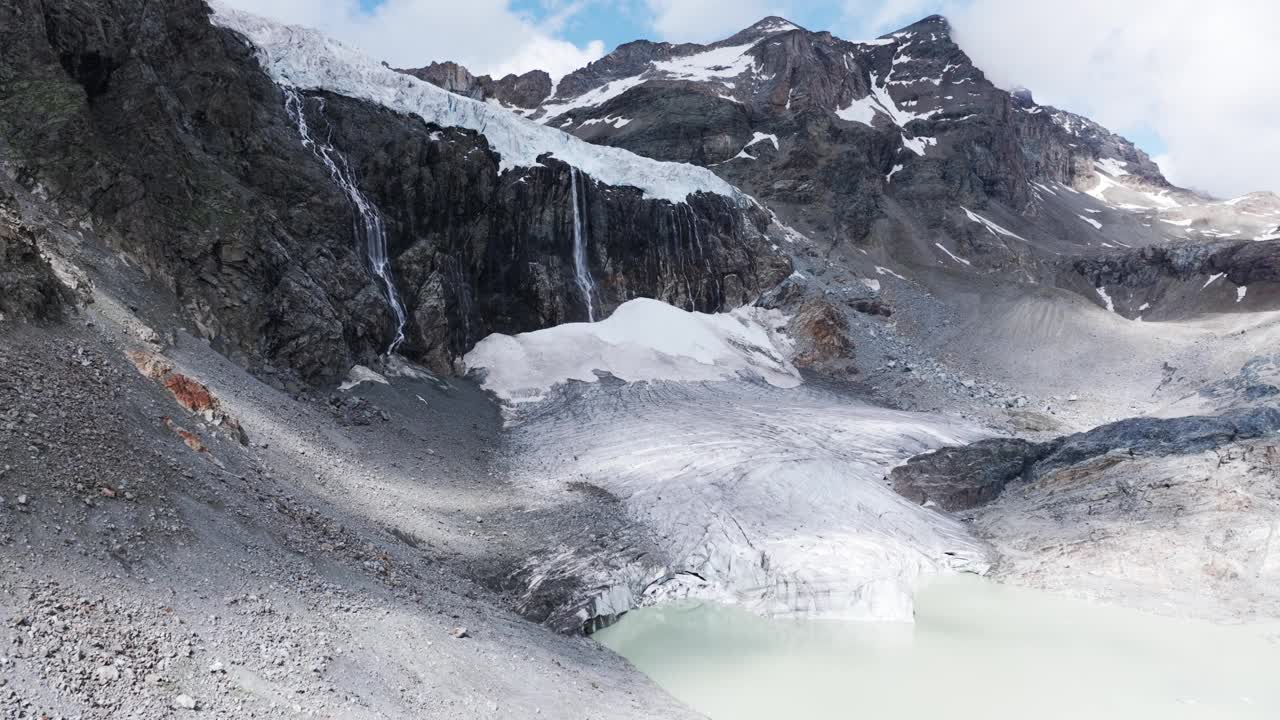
{"x": 368, "y": 223}
{"x": 976, "y": 650}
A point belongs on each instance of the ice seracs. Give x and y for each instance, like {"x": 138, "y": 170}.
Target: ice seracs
{"x": 305, "y": 59}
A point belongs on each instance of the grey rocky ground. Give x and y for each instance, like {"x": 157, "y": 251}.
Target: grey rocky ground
{"x": 155, "y": 565}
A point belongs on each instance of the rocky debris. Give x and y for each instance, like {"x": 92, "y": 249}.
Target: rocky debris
{"x": 1258, "y": 381}
{"x": 960, "y": 478}
{"x": 525, "y": 91}
{"x": 258, "y": 586}
{"x": 189, "y": 438}
{"x": 821, "y": 334}
{"x": 353, "y": 410}
{"x": 190, "y": 394}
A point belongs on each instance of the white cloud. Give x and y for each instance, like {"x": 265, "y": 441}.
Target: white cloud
{"x": 709, "y": 20}
{"x": 1202, "y": 76}
{"x": 485, "y": 35}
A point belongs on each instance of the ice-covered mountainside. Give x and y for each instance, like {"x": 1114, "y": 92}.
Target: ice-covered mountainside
{"x": 767, "y": 494}
{"x": 302, "y": 58}
{"x": 644, "y": 340}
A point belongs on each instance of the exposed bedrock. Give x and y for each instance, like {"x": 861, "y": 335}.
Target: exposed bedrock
{"x": 166, "y": 133}
{"x": 29, "y": 289}
{"x": 960, "y": 478}
{"x": 1169, "y": 282}
{"x": 521, "y": 91}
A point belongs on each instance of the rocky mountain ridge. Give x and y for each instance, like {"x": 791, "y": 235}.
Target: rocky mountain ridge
{"x": 898, "y": 149}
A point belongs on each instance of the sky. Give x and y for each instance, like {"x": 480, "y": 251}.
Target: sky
{"x": 1190, "y": 82}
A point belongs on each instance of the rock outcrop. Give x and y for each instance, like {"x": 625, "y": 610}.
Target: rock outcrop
{"x": 961, "y": 478}
{"x": 29, "y": 289}
{"x": 525, "y": 91}
{"x": 1184, "y": 279}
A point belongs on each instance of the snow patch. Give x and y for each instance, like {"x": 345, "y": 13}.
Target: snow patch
{"x": 887, "y": 271}
{"x": 725, "y": 62}
{"x": 880, "y": 101}
{"x": 1102, "y": 293}
{"x": 993, "y": 228}
{"x": 1097, "y": 225}
{"x": 760, "y": 137}
{"x": 1213, "y": 279}
{"x": 952, "y": 255}
{"x": 918, "y": 145}
{"x": 1112, "y": 167}
{"x": 644, "y": 340}
{"x": 1241, "y": 292}
{"x": 618, "y": 122}
{"x": 360, "y": 375}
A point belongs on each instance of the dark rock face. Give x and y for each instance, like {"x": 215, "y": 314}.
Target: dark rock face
{"x": 965, "y": 477}
{"x": 521, "y": 91}
{"x": 29, "y": 290}
{"x": 960, "y": 478}
{"x": 1249, "y": 262}
{"x": 166, "y": 132}
{"x": 479, "y": 252}
{"x": 1175, "y": 280}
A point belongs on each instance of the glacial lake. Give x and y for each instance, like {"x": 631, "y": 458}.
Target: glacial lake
{"x": 976, "y": 650}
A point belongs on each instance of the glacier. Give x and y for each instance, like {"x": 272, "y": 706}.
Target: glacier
{"x": 760, "y": 490}
{"x": 305, "y": 59}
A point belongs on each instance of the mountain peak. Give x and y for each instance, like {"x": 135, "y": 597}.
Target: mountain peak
{"x": 774, "y": 24}
{"x": 932, "y": 23}
{"x": 771, "y": 25}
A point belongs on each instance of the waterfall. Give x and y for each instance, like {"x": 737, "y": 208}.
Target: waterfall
{"x": 367, "y": 221}
{"x": 581, "y": 270}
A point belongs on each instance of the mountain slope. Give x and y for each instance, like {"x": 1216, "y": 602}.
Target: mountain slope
{"x": 169, "y": 136}
{"x": 898, "y": 147}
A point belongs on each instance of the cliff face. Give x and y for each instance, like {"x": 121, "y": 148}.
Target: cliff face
{"x": 165, "y": 132}
{"x": 525, "y": 91}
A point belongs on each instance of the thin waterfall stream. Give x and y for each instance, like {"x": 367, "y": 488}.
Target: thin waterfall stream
{"x": 582, "y": 271}
{"x": 369, "y": 228}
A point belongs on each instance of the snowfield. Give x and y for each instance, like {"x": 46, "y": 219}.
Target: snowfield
{"x": 644, "y": 340}
{"x": 305, "y": 59}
